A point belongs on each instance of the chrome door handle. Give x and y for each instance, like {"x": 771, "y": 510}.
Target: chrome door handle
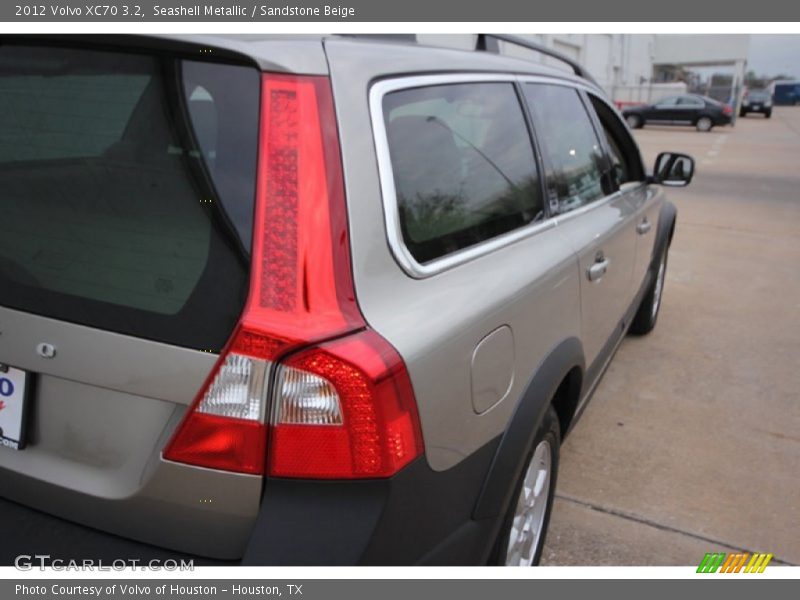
{"x": 643, "y": 227}
{"x": 597, "y": 270}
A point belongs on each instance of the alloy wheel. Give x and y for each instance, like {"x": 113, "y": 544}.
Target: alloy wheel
{"x": 526, "y": 528}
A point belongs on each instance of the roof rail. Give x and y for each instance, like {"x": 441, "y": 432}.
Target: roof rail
{"x": 489, "y": 42}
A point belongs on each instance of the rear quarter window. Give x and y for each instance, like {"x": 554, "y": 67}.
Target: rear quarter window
{"x": 128, "y": 183}
{"x": 463, "y": 165}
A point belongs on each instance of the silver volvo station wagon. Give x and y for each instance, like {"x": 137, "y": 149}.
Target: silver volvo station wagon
{"x": 307, "y": 300}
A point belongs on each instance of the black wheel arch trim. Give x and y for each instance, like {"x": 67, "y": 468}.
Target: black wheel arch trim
{"x": 666, "y": 228}
{"x": 516, "y": 441}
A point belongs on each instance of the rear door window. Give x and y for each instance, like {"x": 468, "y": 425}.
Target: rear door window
{"x": 689, "y": 102}
{"x": 128, "y": 182}
{"x": 668, "y": 102}
{"x": 574, "y": 159}
{"x": 463, "y": 165}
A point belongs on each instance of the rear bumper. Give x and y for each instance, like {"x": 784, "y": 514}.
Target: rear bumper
{"x": 420, "y": 516}
{"x": 28, "y": 533}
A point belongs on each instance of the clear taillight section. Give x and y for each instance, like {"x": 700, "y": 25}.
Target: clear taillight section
{"x": 238, "y": 391}
{"x": 341, "y": 409}
{"x": 303, "y": 398}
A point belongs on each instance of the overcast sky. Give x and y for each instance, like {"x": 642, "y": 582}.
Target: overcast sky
{"x": 772, "y": 54}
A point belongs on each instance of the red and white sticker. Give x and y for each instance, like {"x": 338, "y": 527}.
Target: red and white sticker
{"x": 13, "y": 384}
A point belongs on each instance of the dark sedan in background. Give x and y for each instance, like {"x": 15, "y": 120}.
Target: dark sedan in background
{"x": 689, "y": 109}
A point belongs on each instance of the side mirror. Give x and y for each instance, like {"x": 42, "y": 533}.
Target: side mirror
{"x": 673, "y": 169}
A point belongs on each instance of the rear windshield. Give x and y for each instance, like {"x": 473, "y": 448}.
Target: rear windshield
{"x": 127, "y": 186}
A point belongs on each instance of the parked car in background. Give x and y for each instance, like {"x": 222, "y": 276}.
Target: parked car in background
{"x": 756, "y": 101}
{"x": 688, "y": 109}
{"x": 307, "y": 300}
{"x": 786, "y": 93}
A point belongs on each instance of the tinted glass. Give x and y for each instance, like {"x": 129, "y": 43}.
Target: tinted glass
{"x": 689, "y": 101}
{"x": 574, "y": 158}
{"x": 626, "y": 164}
{"x": 668, "y": 101}
{"x": 128, "y": 184}
{"x": 463, "y": 165}
{"x": 758, "y": 96}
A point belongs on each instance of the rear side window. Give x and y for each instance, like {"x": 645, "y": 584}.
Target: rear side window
{"x": 463, "y": 165}
{"x": 574, "y": 159}
{"x": 685, "y": 101}
{"x": 128, "y": 184}
{"x": 666, "y": 102}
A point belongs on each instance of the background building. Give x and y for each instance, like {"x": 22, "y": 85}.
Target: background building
{"x": 641, "y": 67}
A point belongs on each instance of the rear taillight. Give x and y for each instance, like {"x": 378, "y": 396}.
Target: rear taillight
{"x": 343, "y": 408}
{"x": 225, "y": 428}
{"x": 727, "y": 109}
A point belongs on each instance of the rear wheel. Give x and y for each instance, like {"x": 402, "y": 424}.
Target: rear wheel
{"x": 704, "y": 124}
{"x": 768, "y": 114}
{"x": 522, "y": 535}
{"x": 634, "y": 121}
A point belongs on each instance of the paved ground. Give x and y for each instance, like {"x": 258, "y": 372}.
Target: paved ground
{"x": 692, "y": 441}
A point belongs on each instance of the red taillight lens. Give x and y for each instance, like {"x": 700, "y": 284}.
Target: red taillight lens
{"x": 301, "y": 284}
{"x": 301, "y": 293}
{"x": 224, "y": 428}
{"x": 352, "y": 415}
{"x": 220, "y": 443}
{"x": 727, "y": 109}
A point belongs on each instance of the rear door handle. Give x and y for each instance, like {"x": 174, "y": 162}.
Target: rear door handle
{"x": 598, "y": 269}
{"x": 643, "y": 227}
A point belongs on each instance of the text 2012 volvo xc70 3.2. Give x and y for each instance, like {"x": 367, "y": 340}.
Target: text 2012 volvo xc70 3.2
{"x": 306, "y": 300}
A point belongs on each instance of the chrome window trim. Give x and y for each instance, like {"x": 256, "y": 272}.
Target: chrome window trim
{"x": 391, "y": 211}
{"x": 582, "y": 210}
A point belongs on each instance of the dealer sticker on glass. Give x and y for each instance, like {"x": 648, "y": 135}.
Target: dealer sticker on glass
{"x": 14, "y": 385}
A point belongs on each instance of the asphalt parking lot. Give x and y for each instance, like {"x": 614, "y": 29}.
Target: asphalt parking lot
{"x": 691, "y": 443}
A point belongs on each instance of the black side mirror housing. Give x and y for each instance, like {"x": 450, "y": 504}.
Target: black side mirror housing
{"x": 672, "y": 169}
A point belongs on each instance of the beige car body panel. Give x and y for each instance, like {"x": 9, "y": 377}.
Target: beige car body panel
{"x": 530, "y": 280}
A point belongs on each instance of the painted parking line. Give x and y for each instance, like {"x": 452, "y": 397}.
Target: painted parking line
{"x": 713, "y": 152}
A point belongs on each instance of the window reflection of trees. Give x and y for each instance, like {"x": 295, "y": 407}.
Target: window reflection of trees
{"x": 437, "y": 223}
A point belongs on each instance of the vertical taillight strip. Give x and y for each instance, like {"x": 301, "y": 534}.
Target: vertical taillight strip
{"x": 301, "y": 286}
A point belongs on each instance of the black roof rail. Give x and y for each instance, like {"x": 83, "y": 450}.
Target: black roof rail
{"x": 489, "y": 42}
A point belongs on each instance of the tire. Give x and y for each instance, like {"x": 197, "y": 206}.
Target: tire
{"x": 704, "y": 124}
{"x": 647, "y": 315}
{"x": 544, "y": 455}
{"x": 742, "y": 113}
{"x": 768, "y": 114}
{"x": 634, "y": 121}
